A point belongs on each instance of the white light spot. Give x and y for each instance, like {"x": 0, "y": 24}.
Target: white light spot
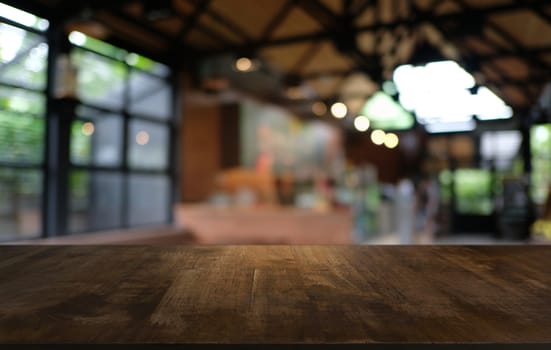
{"x": 77, "y": 38}
{"x": 361, "y": 123}
{"x": 391, "y": 140}
{"x": 378, "y": 137}
{"x": 339, "y": 110}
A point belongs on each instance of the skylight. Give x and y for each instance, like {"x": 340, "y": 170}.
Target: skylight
{"x": 439, "y": 94}
{"x": 489, "y": 106}
{"x": 444, "y": 127}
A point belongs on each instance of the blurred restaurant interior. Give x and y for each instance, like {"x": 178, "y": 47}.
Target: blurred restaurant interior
{"x": 275, "y": 122}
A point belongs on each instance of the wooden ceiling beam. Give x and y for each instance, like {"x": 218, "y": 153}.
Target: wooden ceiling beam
{"x": 212, "y": 34}
{"x": 540, "y": 12}
{"x": 358, "y": 7}
{"x": 518, "y": 49}
{"x": 521, "y": 50}
{"x": 278, "y": 18}
{"x": 229, "y": 24}
{"x": 335, "y": 23}
{"x": 307, "y": 57}
{"x": 191, "y": 21}
{"x": 538, "y": 80}
{"x": 471, "y": 53}
{"x": 319, "y": 12}
{"x": 423, "y": 17}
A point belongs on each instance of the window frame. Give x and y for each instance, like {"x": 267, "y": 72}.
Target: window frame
{"x": 56, "y": 165}
{"x": 124, "y": 168}
{"x": 40, "y": 166}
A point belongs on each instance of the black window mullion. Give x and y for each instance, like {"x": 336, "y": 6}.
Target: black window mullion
{"x": 20, "y": 26}
{"x": 48, "y": 222}
{"x": 22, "y": 165}
{"x": 173, "y": 161}
{"x": 164, "y": 122}
{"x": 19, "y": 86}
{"x": 124, "y": 161}
{"x": 59, "y": 113}
{"x": 100, "y": 108}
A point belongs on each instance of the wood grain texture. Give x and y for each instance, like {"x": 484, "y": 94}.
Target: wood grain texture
{"x": 274, "y": 294}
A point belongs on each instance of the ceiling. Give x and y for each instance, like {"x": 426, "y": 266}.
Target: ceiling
{"x": 328, "y": 43}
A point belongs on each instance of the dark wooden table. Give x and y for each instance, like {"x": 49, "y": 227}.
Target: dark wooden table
{"x": 366, "y": 297}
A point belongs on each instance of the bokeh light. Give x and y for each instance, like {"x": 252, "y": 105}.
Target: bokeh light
{"x": 142, "y": 138}
{"x": 88, "y": 129}
{"x": 378, "y": 137}
{"x": 319, "y": 108}
{"x": 339, "y": 110}
{"x": 244, "y": 64}
{"x": 391, "y": 140}
{"x": 361, "y": 123}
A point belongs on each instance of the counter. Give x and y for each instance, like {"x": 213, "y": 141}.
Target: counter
{"x": 371, "y": 296}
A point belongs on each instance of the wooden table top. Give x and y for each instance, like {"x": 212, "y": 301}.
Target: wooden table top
{"x": 275, "y": 294}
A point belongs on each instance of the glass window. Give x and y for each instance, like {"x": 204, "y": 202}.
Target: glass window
{"x": 95, "y": 200}
{"x": 149, "y": 96}
{"x": 445, "y": 179}
{"x": 83, "y": 40}
{"x": 148, "y": 145}
{"x": 147, "y": 65}
{"x": 23, "y": 101}
{"x": 21, "y": 126}
{"x": 23, "y": 65}
{"x": 20, "y": 203}
{"x": 96, "y": 139}
{"x": 540, "y": 144}
{"x": 148, "y": 199}
{"x": 24, "y": 18}
{"x": 21, "y": 138}
{"x": 473, "y": 189}
{"x": 100, "y": 80}
{"x": 127, "y": 106}
{"x": 22, "y": 57}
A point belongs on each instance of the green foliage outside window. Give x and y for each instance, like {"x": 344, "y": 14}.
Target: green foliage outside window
{"x": 81, "y": 144}
{"x": 21, "y": 138}
{"x": 22, "y": 57}
{"x": 540, "y": 144}
{"x": 21, "y": 125}
{"x": 473, "y": 189}
{"x": 446, "y": 179}
{"x": 100, "y": 80}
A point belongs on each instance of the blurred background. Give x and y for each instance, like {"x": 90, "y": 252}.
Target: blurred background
{"x": 275, "y": 122}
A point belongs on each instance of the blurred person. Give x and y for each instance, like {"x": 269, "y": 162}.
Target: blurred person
{"x": 427, "y": 201}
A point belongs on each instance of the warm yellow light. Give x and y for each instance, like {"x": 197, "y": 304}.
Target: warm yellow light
{"x": 87, "y": 129}
{"x": 243, "y": 64}
{"x": 295, "y": 93}
{"x": 319, "y": 108}
{"x": 339, "y": 110}
{"x": 361, "y": 123}
{"x": 142, "y": 138}
{"x": 378, "y": 137}
{"x": 391, "y": 140}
